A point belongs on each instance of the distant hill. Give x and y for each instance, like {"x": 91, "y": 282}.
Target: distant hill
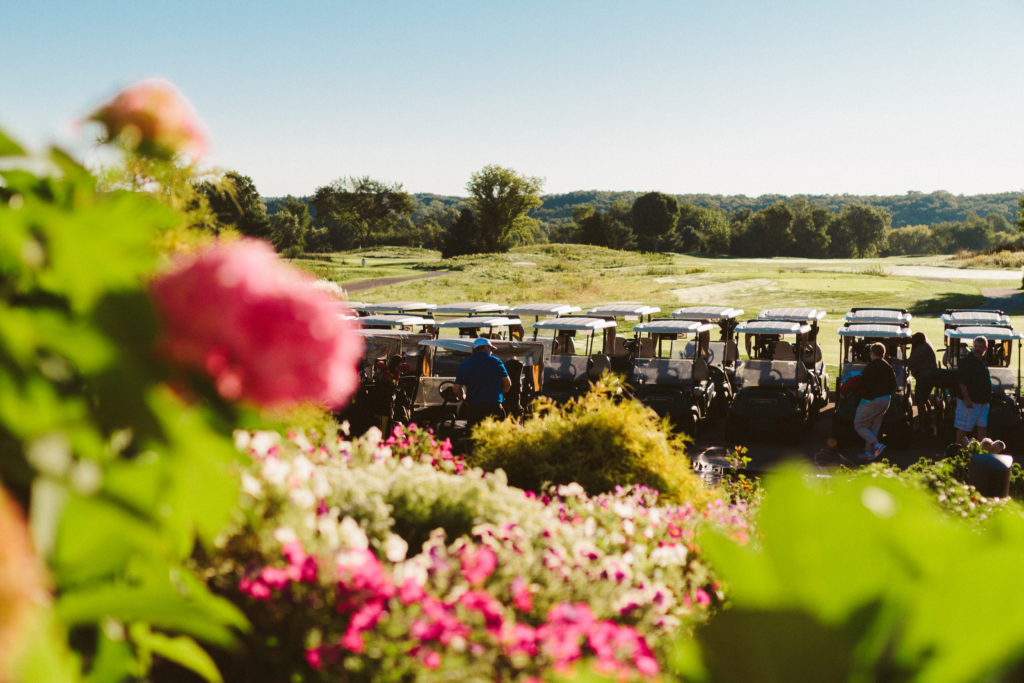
{"x": 912, "y": 208}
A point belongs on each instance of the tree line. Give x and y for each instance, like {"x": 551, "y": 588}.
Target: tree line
{"x": 505, "y": 208}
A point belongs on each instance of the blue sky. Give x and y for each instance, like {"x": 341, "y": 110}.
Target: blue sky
{"x": 721, "y": 97}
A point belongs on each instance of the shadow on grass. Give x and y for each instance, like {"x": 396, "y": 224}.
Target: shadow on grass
{"x": 940, "y": 304}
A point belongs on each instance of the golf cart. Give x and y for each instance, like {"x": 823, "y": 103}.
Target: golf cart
{"x": 1004, "y": 417}
{"x": 489, "y": 326}
{"x": 578, "y": 353}
{"x": 670, "y": 371}
{"x": 407, "y": 307}
{"x": 620, "y": 352}
{"x": 723, "y": 352}
{"x": 435, "y": 403}
{"x": 386, "y": 381}
{"x": 776, "y": 389}
{"x": 539, "y": 311}
{"x": 810, "y": 349}
{"x": 397, "y": 321}
{"x": 855, "y": 338}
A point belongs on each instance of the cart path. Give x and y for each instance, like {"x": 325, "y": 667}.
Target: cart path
{"x": 1005, "y": 300}
{"x": 385, "y": 281}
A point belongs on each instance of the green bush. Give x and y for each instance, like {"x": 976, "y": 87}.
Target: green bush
{"x": 601, "y": 440}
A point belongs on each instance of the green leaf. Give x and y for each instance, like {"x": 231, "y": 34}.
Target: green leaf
{"x": 8, "y": 147}
{"x": 181, "y": 650}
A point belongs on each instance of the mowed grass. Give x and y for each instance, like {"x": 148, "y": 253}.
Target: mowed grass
{"x": 589, "y": 276}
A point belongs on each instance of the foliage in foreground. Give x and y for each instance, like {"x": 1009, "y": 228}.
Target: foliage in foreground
{"x": 859, "y": 579}
{"x": 600, "y": 440}
{"x": 370, "y": 560}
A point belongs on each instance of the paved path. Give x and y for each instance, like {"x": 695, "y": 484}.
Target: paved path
{"x": 385, "y": 281}
{"x": 1005, "y": 300}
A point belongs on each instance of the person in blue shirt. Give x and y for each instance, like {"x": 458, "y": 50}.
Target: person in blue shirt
{"x": 481, "y": 382}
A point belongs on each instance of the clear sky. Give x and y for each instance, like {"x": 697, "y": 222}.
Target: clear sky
{"x": 716, "y": 96}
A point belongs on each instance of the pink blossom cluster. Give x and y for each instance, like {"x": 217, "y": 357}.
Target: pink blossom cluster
{"x": 257, "y": 327}
{"x": 155, "y": 118}
{"x": 541, "y": 582}
{"x": 425, "y": 447}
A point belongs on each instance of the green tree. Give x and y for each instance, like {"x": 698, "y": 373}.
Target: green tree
{"x": 289, "y": 225}
{"x": 500, "y": 198}
{"x": 604, "y": 228}
{"x": 463, "y": 236}
{"x": 863, "y": 229}
{"x": 654, "y": 217}
{"x": 810, "y": 229}
{"x": 362, "y": 212}
{"x": 236, "y": 203}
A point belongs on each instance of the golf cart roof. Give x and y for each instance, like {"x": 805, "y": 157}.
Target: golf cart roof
{"x": 988, "y": 331}
{"x": 470, "y": 308}
{"x": 975, "y": 317}
{"x": 875, "y": 330}
{"x": 479, "y": 321}
{"x": 885, "y": 316}
{"x": 394, "y": 334}
{"x": 544, "y": 309}
{"x": 395, "y": 307}
{"x": 531, "y": 348}
{"x": 803, "y": 315}
{"x": 710, "y": 313}
{"x": 773, "y": 327}
{"x": 590, "y": 324}
{"x": 623, "y": 309}
{"x": 394, "y": 320}
{"x": 672, "y": 327}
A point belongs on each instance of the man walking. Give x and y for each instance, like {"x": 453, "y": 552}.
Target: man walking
{"x": 975, "y": 392}
{"x": 481, "y": 381}
{"x": 878, "y": 383}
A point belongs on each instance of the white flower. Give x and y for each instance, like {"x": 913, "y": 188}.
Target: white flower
{"x": 302, "y": 468}
{"x": 414, "y": 568}
{"x": 328, "y": 530}
{"x": 262, "y": 442}
{"x": 275, "y": 471}
{"x": 570, "y": 490}
{"x": 319, "y": 485}
{"x": 303, "y": 498}
{"x": 242, "y": 439}
{"x": 251, "y": 485}
{"x": 623, "y": 510}
{"x": 628, "y": 527}
{"x": 285, "y": 534}
{"x": 353, "y": 535}
{"x": 395, "y": 548}
{"x": 669, "y": 555}
{"x": 373, "y": 436}
{"x": 589, "y": 527}
{"x": 302, "y": 442}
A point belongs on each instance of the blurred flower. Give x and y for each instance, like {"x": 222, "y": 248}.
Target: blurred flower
{"x": 22, "y": 584}
{"x": 154, "y": 118}
{"x": 257, "y": 327}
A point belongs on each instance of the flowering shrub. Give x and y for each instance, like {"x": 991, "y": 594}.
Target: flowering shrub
{"x": 378, "y": 558}
{"x": 600, "y": 440}
{"x": 153, "y": 118}
{"x": 258, "y": 327}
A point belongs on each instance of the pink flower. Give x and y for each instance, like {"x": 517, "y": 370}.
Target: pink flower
{"x": 314, "y": 658}
{"x": 153, "y": 117}
{"x": 521, "y": 597}
{"x": 362, "y": 620}
{"x": 484, "y": 603}
{"x": 258, "y": 327}
{"x": 432, "y": 660}
{"x": 411, "y": 592}
{"x": 274, "y": 577}
{"x": 254, "y": 588}
{"x": 478, "y": 564}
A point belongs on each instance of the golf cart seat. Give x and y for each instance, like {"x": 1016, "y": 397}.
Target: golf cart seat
{"x": 783, "y": 351}
{"x": 645, "y": 348}
{"x": 778, "y": 373}
{"x": 565, "y": 367}
{"x": 668, "y": 371}
{"x": 619, "y": 349}
{"x": 1003, "y": 379}
{"x": 597, "y": 365}
{"x": 812, "y": 355}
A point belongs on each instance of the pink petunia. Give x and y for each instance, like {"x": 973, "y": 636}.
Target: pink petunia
{"x": 521, "y": 597}
{"x": 153, "y": 117}
{"x": 478, "y": 564}
{"x": 257, "y": 327}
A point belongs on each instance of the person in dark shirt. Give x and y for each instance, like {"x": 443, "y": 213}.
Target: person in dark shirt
{"x": 481, "y": 382}
{"x": 922, "y": 365}
{"x": 975, "y": 392}
{"x": 878, "y": 384}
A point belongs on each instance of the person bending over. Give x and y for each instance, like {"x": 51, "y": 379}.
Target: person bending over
{"x": 975, "y": 392}
{"x": 922, "y": 365}
{"x": 481, "y": 382}
{"x": 878, "y": 384}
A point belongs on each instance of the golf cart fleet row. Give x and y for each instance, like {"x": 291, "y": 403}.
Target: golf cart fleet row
{"x": 702, "y": 362}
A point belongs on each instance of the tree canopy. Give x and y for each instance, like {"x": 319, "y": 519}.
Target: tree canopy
{"x": 500, "y": 197}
